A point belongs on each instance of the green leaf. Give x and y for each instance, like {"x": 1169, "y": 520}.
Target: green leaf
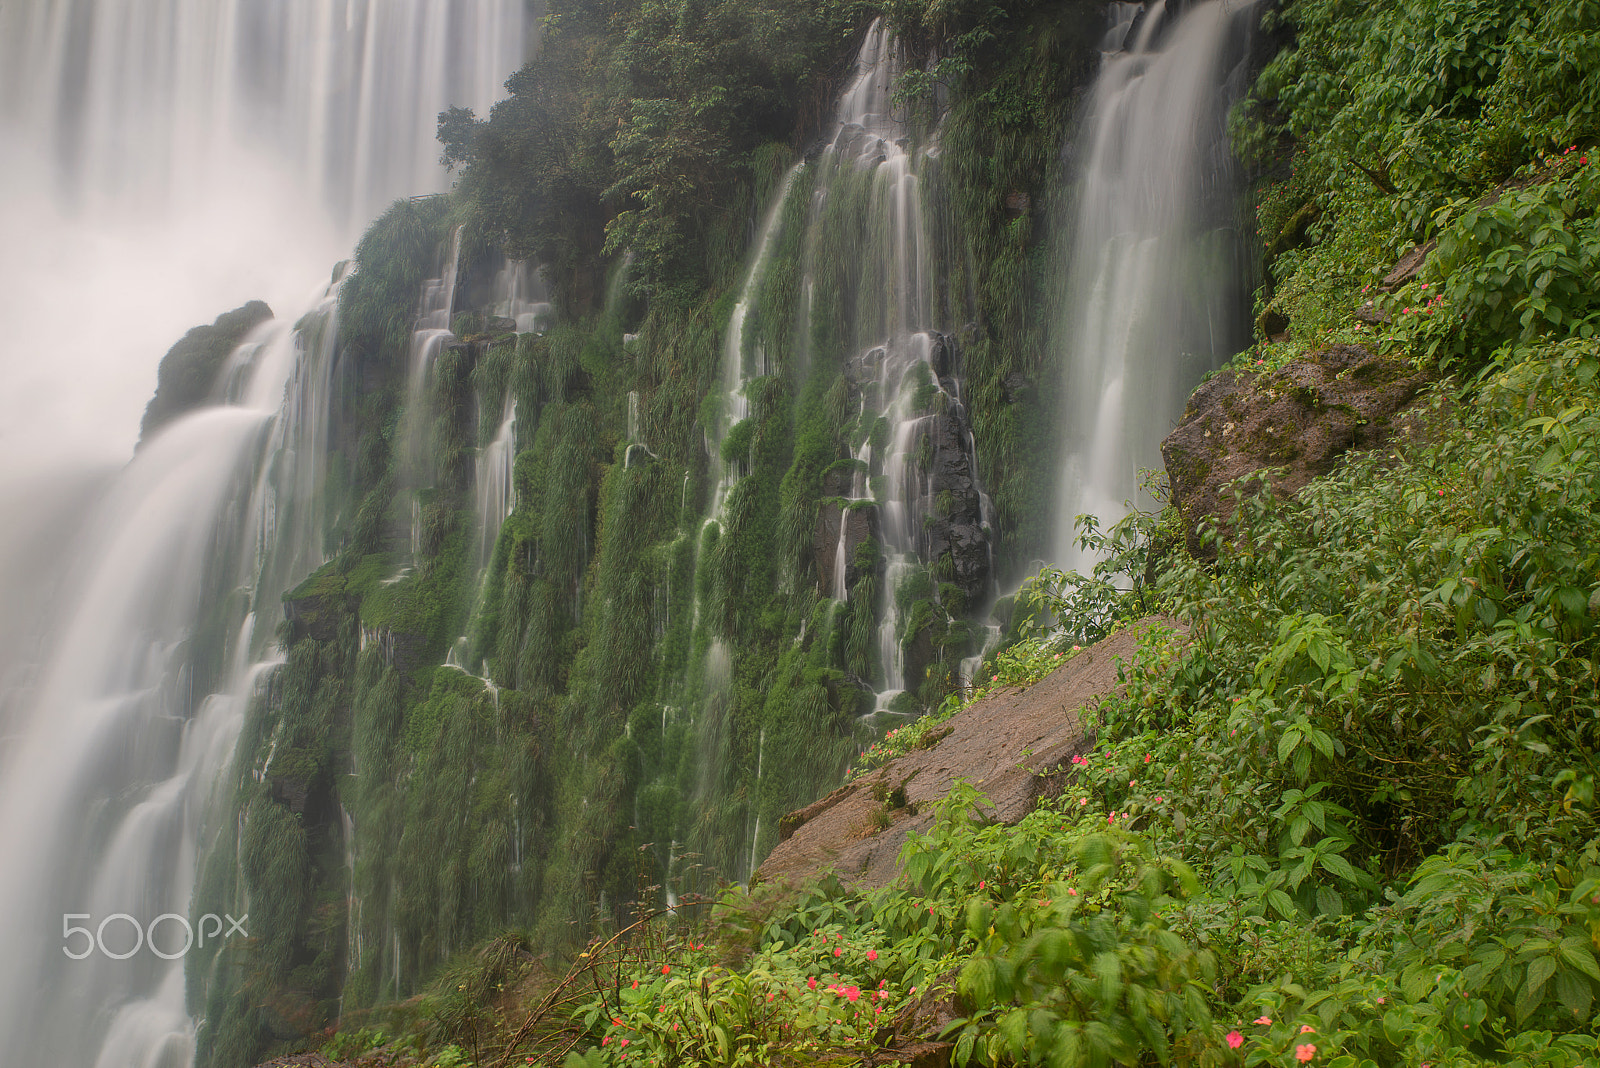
{"x": 1575, "y": 995}
{"x": 1576, "y": 952}
{"x": 1540, "y": 969}
{"x": 1286, "y": 744}
{"x": 1329, "y": 903}
{"x": 1339, "y": 867}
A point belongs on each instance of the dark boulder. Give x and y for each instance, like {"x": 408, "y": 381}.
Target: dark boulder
{"x": 1298, "y": 421}
{"x": 954, "y": 527}
{"x": 187, "y": 378}
{"x": 859, "y": 522}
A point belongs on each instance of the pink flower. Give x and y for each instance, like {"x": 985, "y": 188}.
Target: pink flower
{"x": 1382, "y": 1000}
{"x": 624, "y": 1042}
{"x": 852, "y": 992}
{"x": 1235, "y": 1040}
{"x": 980, "y": 884}
{"x": 1264, "y": 1021}
{"x": 838, "y": 952}
{"x": 1305, "y": 1053}
{"x": 872, "y": 954}
{"x": 606, "y": 1041}
{"x": 1159, "y": 799}
{"x": 1307, "y": 1029}
{"x": 1082, "y": 801}
{"x": 1072, "y": 892}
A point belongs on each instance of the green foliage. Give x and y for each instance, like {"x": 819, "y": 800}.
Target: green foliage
{"x": 636, "y": 128}
{"x": 394, "y": 257}
{"x": 1418, "y": 119}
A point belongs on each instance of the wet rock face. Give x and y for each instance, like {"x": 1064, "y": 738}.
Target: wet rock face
{"x": 950, "y": 534}
{"x": 1299, "y": 419}
{"x": 955, "y": 526}
{"x": 859, "y": 523}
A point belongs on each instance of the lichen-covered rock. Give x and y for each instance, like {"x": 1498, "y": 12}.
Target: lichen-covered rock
{"x": 1297, "y": 420}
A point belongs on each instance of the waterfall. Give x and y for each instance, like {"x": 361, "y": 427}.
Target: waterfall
{"x": 1153, "y": 298}
{"x": 169, "y": 159}
{"x": 210, "y": 152}
{"x": 158, "y": 99}
{"x": 494, "y": 498}
{"x": 906, "y": 369}
{"x": 495, "y": 494}
{"x": 428, "y": 340}
{"x": 112, "y": 762}
{"x": 520, "y": 294}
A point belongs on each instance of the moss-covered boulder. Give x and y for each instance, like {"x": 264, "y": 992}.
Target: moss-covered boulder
{"x": 1296, "y": 422}
{"x": 188, "y": 372}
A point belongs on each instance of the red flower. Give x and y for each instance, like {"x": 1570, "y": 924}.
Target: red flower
{"x": 872, "y": 954}
{"x": 1235, "y": 1040}
{"x": 811, "y": 984}
{"x": 666, "y": 969}
{"x": 1305, "y": 1053}
{"x": 852, "y": 992}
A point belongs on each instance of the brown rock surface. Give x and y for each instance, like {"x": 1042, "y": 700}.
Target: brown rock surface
{"x": 1012, "y": 745}
{"x": 1298, "y": 419}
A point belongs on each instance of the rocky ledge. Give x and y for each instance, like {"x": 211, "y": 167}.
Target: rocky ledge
{"x": 1291, "y": 425}
{"x": 1013, "y": 745}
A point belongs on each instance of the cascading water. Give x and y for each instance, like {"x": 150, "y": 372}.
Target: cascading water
{"x": 229, "y": 148}
{"x": 495, "y": 496}
{"x": 520, "y": 295}
{"x": 1153, "y": 297}
{"x": 867, "y": 304}
{"x": 906, "y": 367}
{"x": 170, "y": 158}
{"x": 159, "y": 99}
{"x": 111, "y": 765}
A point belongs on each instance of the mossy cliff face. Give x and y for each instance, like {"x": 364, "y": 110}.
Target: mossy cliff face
{"x": 618, "y": 694}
